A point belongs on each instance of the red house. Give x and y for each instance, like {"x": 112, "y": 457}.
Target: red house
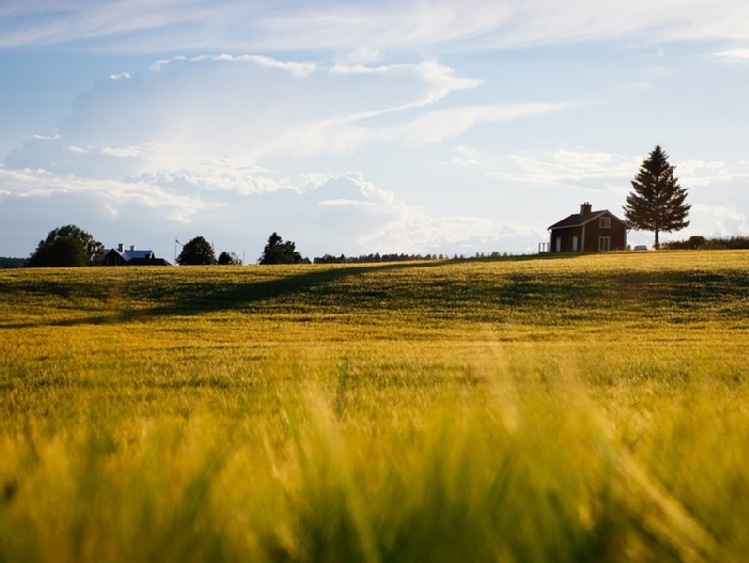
{"x": 588, "y": 231}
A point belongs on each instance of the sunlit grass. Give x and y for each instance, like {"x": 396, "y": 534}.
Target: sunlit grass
{"x": 573, "y": 409}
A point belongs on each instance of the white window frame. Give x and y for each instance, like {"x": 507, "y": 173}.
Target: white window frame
{"x": 604, "y": 222}
{"x": 575, "y": 244}
{"x": 604, "y": 244}
{"x": 559, "y": 244}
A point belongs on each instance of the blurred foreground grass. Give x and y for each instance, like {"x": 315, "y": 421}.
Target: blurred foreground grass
{"x": 572, "y": 409}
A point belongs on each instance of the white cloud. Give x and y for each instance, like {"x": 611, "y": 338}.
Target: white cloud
{"x": 467, "y": 157}
{"x": 725, "y": 220}
{"x": 440, "y": 125}
{"x": 75, "y": 149}
{"x": 569, "y": 167}
{"x": 700, "y": 173}
{"x": 120, "y": 76}
{"x": 161, "y": 64}
{"x": 40, "y": 137}
{"x": 130, "y": 151}
{"x": 733, "y": 55}
{"x": 34, "y": 184}
{"x": 343, "y": 202}
{"x": 302, "y": 69}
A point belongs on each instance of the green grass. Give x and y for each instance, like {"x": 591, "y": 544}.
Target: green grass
{"x": 559, "y": 409}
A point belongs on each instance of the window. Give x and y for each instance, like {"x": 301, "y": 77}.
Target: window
{"x": 574, "y": 244}
{"x": 604, "y": 244}
{"x": 605, "y": 222}
{"x": 559, "y": 244}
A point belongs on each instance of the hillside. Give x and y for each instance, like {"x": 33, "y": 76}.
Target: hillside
{"x": 528, "y": 409}
{"x": 676, "y": 287}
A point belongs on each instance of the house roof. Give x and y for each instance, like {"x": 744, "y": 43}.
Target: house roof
{"x": 128, "y": 255}
{"x": 579, "y": 219}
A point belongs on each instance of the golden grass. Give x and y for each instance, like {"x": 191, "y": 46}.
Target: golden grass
{"x": 569, "y": 409}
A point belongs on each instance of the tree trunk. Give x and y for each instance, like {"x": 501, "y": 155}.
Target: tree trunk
{"x": 657, "y": 244}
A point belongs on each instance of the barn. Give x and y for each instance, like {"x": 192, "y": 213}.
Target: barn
{"x": 588, "y": 231}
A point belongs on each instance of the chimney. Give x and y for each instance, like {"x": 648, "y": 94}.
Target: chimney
{"x": 121, "y": 247}
{"x": 132, "y": 248}
{"x": 585, "y": 208}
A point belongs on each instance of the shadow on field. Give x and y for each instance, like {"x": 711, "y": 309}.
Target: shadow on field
{"x": 211, "y": 296}
{"x": 449, "y": 296}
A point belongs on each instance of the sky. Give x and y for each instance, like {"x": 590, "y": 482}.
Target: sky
{"x": 450, "y": 127}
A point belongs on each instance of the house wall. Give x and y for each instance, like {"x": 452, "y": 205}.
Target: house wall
{"x": 567, "y": 235}
{"x": 617, "y": 234}
{"x": 588, "y": 236}
{"x": 112, "y": 258}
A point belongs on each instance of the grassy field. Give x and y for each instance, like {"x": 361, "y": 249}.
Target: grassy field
{"x": 586, "y": 408}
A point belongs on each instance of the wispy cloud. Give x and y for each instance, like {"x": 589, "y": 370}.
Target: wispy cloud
{"x": 466, "y": 156}
{"x": 75, "y": 149}
{"x": 122, "y": 152}
{"x": 440, "y": 125}
{"x": 301, "y": 69}
{"x": 566, "y": 166}
{"x": 735, "y": 55}
{"x": 605, "y": 170}
{"x": 700, "y": 173}
{"x": 363, "y": 28}
{"x": 249, "y": 113}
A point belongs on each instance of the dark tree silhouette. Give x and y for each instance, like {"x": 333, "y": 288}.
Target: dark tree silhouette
{"x": 279, "y": 252}
{"x": 67, "y": 246}
{"x": 657, "y": 202}
{"x": 229, "y": 259}
{"x": 197, "y": 252}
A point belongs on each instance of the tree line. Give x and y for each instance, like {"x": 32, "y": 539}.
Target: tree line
{"x": 656, "y": 203}
{"x": 71, "y": 246}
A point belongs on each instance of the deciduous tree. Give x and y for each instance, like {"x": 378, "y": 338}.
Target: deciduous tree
{"x": 197, "y": 252}
{"x": 657, "y": 202}
{"x": 67, "y": 246}
{"x": 229, "y": 259}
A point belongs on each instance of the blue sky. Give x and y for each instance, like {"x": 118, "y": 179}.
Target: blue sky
{"x": 357, "y": 127}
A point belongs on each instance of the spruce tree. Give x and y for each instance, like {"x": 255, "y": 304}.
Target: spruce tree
{"x": 657, "y": 201}
{"x": 279, "y": 252}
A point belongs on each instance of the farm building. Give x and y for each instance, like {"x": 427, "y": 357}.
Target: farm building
{"x": 131, "y": 257}
{"x": 588, "y": 231}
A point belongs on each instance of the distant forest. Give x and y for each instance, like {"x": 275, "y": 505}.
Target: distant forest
{"x": 377, "y": 257}
{"x": 12, "y": 262}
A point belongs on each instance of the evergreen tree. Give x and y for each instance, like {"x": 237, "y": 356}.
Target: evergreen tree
{"x": 657, "y": 202}
{"x": 67, "y": 246}
{"x": 197, "y": 252}
{"x": 279, "y": 252}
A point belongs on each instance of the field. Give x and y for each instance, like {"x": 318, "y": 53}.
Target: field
{"x": 586, "y": 408}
